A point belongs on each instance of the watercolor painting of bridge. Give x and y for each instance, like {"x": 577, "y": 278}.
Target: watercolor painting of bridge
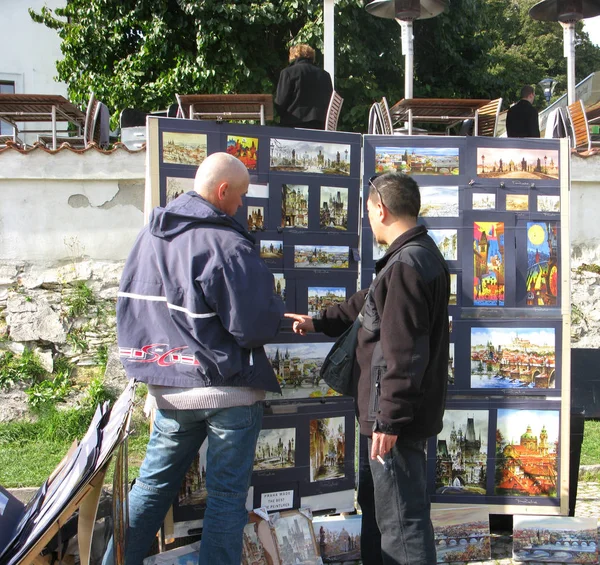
{"x": 461, "y": 534}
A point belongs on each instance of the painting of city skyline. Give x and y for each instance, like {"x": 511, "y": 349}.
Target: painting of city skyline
{"x": 271, "y": 249}
{"x": 176, "y": 186}
{"x": 296, "y": 538}
{"x": 548, "y": 203}
{"x": 447, "y": 242}
{"x": 256, "y": 218}
{"x": 321, "y": 256}
{"x": 439, "y": 201}
{"x": 297, "y": 368}
{"x": 279, "y": 282}
{"x": 488, "y": 264}
{"x": 193, "y": 488}
{"x": 333, "y": 212}
{"x": 322, "y": 297}
{"x": 338, "y": 537}
{"x": 517, "y": 163}
{"x": 461, "y": 534}
{"x": 461, "y": 454}
{"x": 294, "y": 204}
{"x": 184, "y": 148}
{"x": 517, "y": 202}
{"x": 245, "y": 149}
{"x": 483, "y": 201}
{"x": 417, "y": 160}
{"x": 275, "y": 449}
{"x": 327, "y": 448}
{"x": 552, "y": 539}
{"x": 310, "y": 157}
{"x": 527, "y": 453}
{"x": 513, "y": 358}
{"x": 542, "y": 264}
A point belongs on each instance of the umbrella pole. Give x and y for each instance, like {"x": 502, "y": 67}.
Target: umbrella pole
{"x": 569, "y": 53}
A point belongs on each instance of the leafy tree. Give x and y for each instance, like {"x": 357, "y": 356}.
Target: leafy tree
{"x": 139, "y": 53}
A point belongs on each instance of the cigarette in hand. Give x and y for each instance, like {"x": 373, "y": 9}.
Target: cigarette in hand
{"x": 380, "y": 459}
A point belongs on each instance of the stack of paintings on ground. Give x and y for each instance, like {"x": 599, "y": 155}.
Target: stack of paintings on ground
{"x": 302, "y": 209}
{"x": 493, "y": 207}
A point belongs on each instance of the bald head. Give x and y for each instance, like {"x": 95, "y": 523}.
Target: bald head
{"x": 222, "y": 180}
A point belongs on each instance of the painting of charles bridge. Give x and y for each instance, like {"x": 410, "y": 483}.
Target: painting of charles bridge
{"x": 461, "y": 534}
{"x": 310, "y": 157}
{"x": 527, "y": 453}
{"x": 513, "y": 358}
{"x": 553, "y": 539}
{"x": 327, "y": 448}
{"x": 517, "y": 163}
{"x": 321, "y": 256}
{"x": 461, "y": 454}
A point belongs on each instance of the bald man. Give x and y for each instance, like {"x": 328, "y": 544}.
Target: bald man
{"x": 195, "y": 307}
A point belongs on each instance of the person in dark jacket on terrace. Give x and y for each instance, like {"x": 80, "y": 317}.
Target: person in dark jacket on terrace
{"x": 303, "y": 91}
{"x": 195, "y": 306}
{"x": 401, "y": 373}
{"x": 522, "y": 119}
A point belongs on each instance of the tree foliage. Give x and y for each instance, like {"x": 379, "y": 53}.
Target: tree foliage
{"x": 140, "y": 53}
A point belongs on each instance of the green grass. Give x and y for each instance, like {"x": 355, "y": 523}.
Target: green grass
{"x": 590, "y": 450}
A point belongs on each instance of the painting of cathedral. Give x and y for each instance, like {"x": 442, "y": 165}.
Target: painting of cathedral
{"x": 447, "y": 243}
{"x": 527, "y": 452}
{"x": 333, "y": 213}
{"x": 275, "y": 449}
{"x": 279, "y": 281}
{"x": 296, "y": 539}
{"x": 542, "y": 264}
{"x": 488, "y": 264}
{"x": 294, "y": 203}
{"x": 253, "y": 551}
{"x": 453, "y": 290}
{"x": 461, "y": 534}
{"x": 451, "y": 359}
{"x": 245, "y": 149}
{"x": 327, "y": 448}
{"x": 310, "y": 157}
{"x": 517, "y": 163}
{"x": 338, "y": 537}
{"x": 256, "y": 218}
{"x": 176, "y": 186}
{"x": 461, "y": 454}
{"x": 193, "y": 488}
{"x": 513, "y": 357}
{"x": 322, "y": 297}
{"x": 483, "y": 201}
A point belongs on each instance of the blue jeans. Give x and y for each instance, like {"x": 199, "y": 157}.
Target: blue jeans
{"x": 175, "y": 440}
{"x": 396, "y": 495}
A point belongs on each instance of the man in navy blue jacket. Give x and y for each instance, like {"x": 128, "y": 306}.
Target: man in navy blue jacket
{"x": 195, "y": 307}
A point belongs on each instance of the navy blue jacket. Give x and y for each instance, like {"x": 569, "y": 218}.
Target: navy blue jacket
{"x": 196, "y": 302}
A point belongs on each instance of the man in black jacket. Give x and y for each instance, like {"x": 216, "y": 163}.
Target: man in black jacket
{"x": 303, "y": 91}
{"x": 401, "y": 372}
{"x": 522, "y": 118}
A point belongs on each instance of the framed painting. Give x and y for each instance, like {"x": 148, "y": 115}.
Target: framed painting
{"x": 338, "y": 537}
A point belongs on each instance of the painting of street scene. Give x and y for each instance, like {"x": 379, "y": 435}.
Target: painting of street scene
{"x": 553, "y": 539}
{"x": 294, "y": 206}
{"x": 245, "y": 149}
{"x": 296, "y": 539}
{"x": 517, "y": 202}
{"x": 253, "y": 551}
{"x": 451, "y": 363}
{"x": 321, "y": 256}
{"x": 271, "y": 249}
{"x": 275, "y": 449}
{"x": 310, "y": 157}
{"x": 484, "y": 201}
{"x": 488, "y": 264}
{"x": 333, "y": 213}
{"x": 379, "y": 249}
{"x": 322, "y": 297}
{"x": 193, "y": 488}
{"x": 279, "y": 281}
{"x": 338, "y": 537}
{"x": 439, "y": 201}
{"x": 256, "y": 218}
{"x": 513, "y": 358}
{"x": 548, "y": 203}
{"x": 446, "y": 240}
{"x": 516, "y": 163}
{"x": 184, "y": 148}
{"x": 542, "y": 264}
{"x": 453, "y": 290}
{"x": 527, "y": 453}
{"x": 176, "y": 186}
{"x": 327, "y": 448}
{"x": 417, "y": 160}
{"x": 297, "y": 367}
{"x": 461, "y": 534}
{"x": 462, "y": 448}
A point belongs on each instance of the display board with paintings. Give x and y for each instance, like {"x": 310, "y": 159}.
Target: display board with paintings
{"x": 498, "y": 211}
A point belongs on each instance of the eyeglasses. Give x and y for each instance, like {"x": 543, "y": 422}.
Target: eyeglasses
{"x": 372, "y": 183}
